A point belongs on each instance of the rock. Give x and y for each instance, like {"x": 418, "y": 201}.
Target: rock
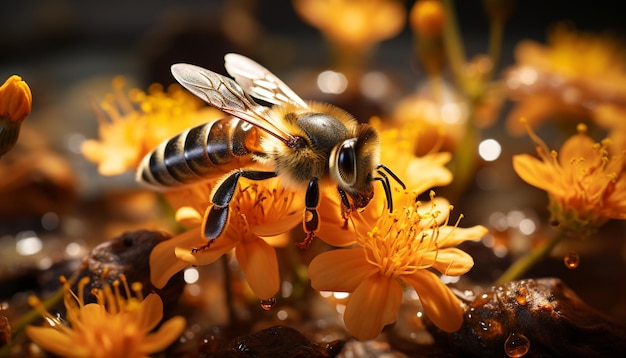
{"x": 277, "y": 341}
{"x": 532, "y": 318}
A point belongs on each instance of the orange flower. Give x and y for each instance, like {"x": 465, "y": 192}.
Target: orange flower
{"x": 369, "y": 21}
{"x": 397, "y": 250}
{"x": 138, "y": 122}
{"x": 115, "y": 326}
{"x": 259, "y": 210}
{"x": 15, "y": 105}
{"x": 15, "y": 99}
{"x": 585, "y": 185}
{"x": 427, "y": 17}
{"x": 568, "y": 77}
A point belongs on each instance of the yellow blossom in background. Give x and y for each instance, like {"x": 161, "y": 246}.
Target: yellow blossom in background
{"x": 611, "y": 117}
{"x": 117, "y": 325}
{"x": 370, "y": 21}
{"x": 568, "y": 77}
{"x": 427, "y": 17}
{"x": 259, "y": 211}
{"x": 586, "y": 186}
{"x": 398, "y": 249}
{"x": 136, "y": 122}
{"x": 15, "y": 105}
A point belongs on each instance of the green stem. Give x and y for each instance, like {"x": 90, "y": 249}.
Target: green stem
{"x": 29, "y": 317}
{"x": 524, "y": 263}
{"x": 453, "y": 44}
{"x": 496, "y": 36}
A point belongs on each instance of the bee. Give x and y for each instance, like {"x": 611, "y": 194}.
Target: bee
{"x": 305, "y": 144}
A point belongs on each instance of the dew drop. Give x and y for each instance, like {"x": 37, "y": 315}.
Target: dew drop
{"x": 555, "y": 223}
{"x": 268, "y": 304}
{"x": 520, "y": 295}
{"x": 572, "y": 260}
{"x": 516, "y": 345}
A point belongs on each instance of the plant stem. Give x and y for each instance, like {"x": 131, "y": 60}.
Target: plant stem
{"x": 496, "y": 36}
{"x": 453, "y": 44}
{"x": 524, "y": 263}
{"x": 29, "y": 317}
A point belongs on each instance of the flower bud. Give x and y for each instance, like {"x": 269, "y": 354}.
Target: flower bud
{"x": 15, "y": 104}
{"x": 427, "y": 18}
{"x": 15, "y": 99}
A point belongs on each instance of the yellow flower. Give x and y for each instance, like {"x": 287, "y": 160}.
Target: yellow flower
{"x": 259, "y": 211}
{"x": 568, "y": 77}
{"x": 397, "y": 250}
{"x": 115, "y": 326}
{"x": 138, "y": 122}
{"x": 369, "y": 21}
{"x": 15, "y": 105}
{"x": 419, "y": 173}
{"x": 585, "y": 185}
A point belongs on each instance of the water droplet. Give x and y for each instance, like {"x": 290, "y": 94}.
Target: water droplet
{"x": 520, "y": 295}
{"x": 555, "y": 223}
{"x": 268, "y": 304}
{"x": 572, "y": 260}
{"x": 516, "y": 345}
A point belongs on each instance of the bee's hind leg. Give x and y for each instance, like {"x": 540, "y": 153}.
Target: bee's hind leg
{"x": 216, "y": 217}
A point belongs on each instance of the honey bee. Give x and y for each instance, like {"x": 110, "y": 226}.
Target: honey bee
{"x": 305, "y": 144}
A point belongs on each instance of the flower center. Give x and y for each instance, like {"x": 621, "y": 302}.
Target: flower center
{"x": 262, "y": 204}
{"x": 399, "y": 242}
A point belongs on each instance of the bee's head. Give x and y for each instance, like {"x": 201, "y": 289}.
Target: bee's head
{"x": 353, "y": 162}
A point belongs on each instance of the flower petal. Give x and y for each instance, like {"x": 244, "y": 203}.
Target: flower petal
{"x": 579, "y": 146}
{"x": 274, "y": 228}
{"x": 188, "y": 216}
{"x": 53, "y": 340}
{"x": 260, "y": 266}
{"x": 538, "y": 174}
{"x": 440, "y": 304}
{"x": 451, "y": 261}
{"x": 163, "y": 262}
{"x": 340, "y": 270}
{"x": 150, "y": 313}
{"x": 373, "y": 305}
{"x": 164, "y": 336}
{"x": 188, "y": 251}
{"x": 450, "y": 236}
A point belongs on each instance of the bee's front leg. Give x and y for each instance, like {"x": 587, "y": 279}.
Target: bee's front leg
{"x": 310, "y": 221}
{"x": 346, "y": 208}
{"x": 216, "y": 217}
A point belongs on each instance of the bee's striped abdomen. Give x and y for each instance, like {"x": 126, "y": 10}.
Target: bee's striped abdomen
{"x": 202, "y": 152}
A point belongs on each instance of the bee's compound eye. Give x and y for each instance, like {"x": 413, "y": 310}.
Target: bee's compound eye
{"x": 346, "y": 162}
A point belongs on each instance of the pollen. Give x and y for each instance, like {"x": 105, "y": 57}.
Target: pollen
{"x": 264, "y": 203}
{"x": 398, "y": 245}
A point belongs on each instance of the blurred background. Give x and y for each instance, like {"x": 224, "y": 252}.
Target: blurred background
{"x": 69, "y": 51}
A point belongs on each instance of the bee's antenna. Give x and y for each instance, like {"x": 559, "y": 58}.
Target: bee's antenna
{"x": 393, "y": 175}
{"x": 384, "y": 180}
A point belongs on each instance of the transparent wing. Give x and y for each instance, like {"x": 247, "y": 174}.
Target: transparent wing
{"x": 259, "y": 82}
{"x": 225, "y": 94}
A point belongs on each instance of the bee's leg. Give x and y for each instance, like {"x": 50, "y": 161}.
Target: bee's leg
{"x": 345, "y": 207}
{"x": 311, "y": 221}
{"x": 216, "y": 218}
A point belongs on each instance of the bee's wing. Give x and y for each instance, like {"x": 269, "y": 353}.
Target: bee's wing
{"x": 259, "y": 82}
{"x": 225, "y": 94}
